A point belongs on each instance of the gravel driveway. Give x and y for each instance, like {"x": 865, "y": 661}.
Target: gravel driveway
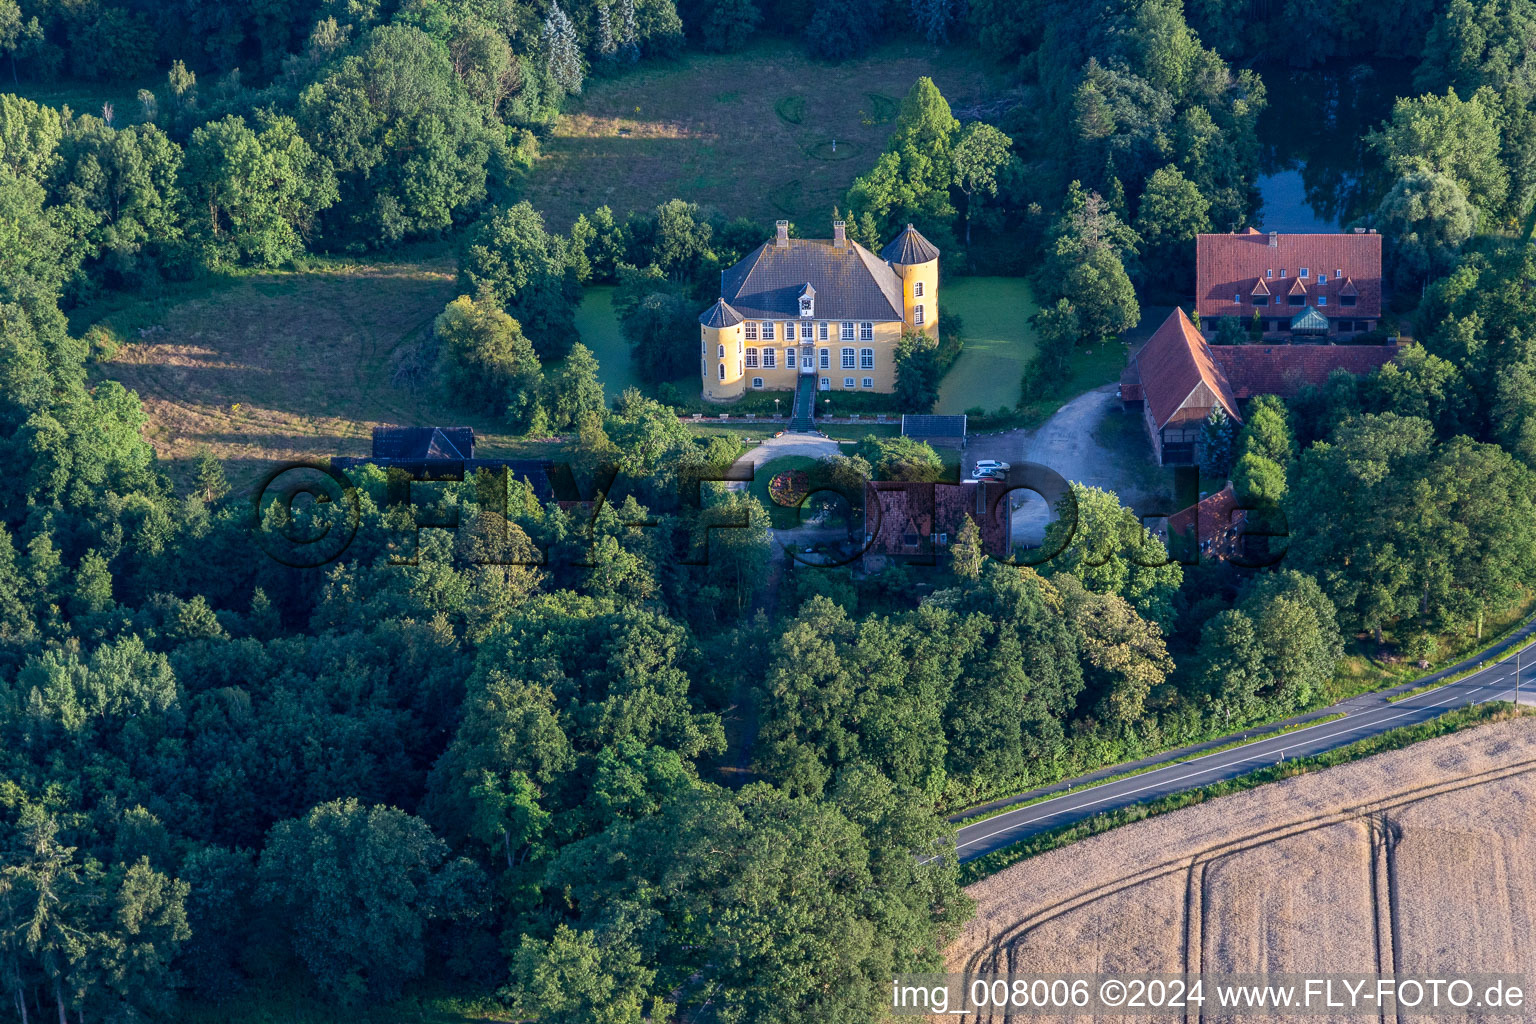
{"x": 1066, "y": 443}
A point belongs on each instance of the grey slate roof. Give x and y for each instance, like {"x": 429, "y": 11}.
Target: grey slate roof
{"x": 909, "y": 248}
{"x": 850, "y": 283}
{"x": 423, "y": 443}
{"x": 720, "y": 315}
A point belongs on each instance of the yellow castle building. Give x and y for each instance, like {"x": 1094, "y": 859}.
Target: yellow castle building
{"x": 826, "y": 308}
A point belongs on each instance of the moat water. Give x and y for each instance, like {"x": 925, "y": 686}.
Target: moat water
{"x": 1312, "y": 135}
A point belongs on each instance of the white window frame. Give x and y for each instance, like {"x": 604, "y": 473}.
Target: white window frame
{"x": 768, "y": 330}
{"x": 825, "y": 384}
{"x": 770, "y": 359}
{"x": 751, "y": 330}
{"x": 866, "y": 359}
{"x": 806, "y": 331}
{"x": 868, "y": 382}
{"x": 1302, "y": 273}
{"x": 847, "y": 331}
{"x": 917, "y": 314}
{"x": 917, "y": 289}
{"x": 825, "y": 359}
{"x": 789, "y": 358}
{"x": 751, "y": 358}
{"x": 821, "y": 331}
{"x": 848, "y": 383}
{"x": 722, "y": 371}
{"x": 1269, "y": 273}
{"x": 848, "y": 355}
{"x": 1237, "y": 299}
{"x": 789, "y": 331}
{"x": 866, "y": 331}
{"x": 757, "y": 382}
{"x": 1322, "y": 300}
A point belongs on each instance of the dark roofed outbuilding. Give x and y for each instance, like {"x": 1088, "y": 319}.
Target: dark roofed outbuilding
{"x": 948, "y": 431}
{"x": 420, "y": 443}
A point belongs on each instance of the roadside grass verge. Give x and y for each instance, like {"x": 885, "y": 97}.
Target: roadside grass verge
{"x": 747, "y": 133}
{"x": 1255, "y": 737}
{"x": 1363, "y": 672}
{"x": 1343, "y": 688}
{"x": 1450, "y": 722}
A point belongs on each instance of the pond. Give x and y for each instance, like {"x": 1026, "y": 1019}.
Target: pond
{"x": 1311, "y": 134}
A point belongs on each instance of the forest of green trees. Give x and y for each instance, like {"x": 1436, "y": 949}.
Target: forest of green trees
{"x": 511, "y": 755}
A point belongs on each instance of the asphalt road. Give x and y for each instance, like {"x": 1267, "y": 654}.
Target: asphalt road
{"x": 1187, "y": 768}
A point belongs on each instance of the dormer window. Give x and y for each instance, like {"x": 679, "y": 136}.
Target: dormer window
{"x": 807, "y": 302}
{"x": 1303, "y": 273}
{"x": 807, "y": 307}
{"x": 1269, "y": 273}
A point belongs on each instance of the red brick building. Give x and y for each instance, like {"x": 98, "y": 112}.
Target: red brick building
{"x": 1302, "y": 286}
{"x": 919, "y": 521}
{"x": 1209, "y": 530}
{"x": 1177, "y": 378}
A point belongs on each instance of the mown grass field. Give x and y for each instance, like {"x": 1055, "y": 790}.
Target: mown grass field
{"x": 749, "y": 133}
{"x": 268, "y": 367}
{"x": 994, "y": 314}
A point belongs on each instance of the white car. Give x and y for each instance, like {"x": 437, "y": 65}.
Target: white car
{"x": 989, "y": 466}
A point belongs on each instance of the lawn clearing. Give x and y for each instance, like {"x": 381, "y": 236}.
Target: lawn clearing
{"x": 994, "y": 314}
{"x": 271, "y": 367}
{"x": 598, "y": 326}
{"x": 749, "y": 133}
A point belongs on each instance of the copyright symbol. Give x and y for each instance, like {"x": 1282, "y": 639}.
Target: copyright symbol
{"x": 305, "y": 514}
{"x": 1112, "y": 992}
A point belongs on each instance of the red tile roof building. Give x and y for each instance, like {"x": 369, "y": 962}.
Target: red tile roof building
{"x": 1283, "y": 276}
{"x": 919, "y": 521}
{"x": 1213, "y": 524}
{"x": 1179, "y": 377}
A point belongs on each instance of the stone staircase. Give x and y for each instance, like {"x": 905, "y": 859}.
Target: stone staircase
{"x": 802, "y": 418}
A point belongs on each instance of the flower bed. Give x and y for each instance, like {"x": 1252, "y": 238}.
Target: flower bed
{"x": 789, "y": 488}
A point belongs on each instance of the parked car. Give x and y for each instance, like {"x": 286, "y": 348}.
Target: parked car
{"x": 984, "y": 465}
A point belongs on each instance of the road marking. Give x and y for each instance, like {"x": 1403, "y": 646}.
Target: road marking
{"x": 1353, "y": 723}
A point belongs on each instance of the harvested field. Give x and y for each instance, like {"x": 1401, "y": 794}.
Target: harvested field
{"x": 1419, "y": 861}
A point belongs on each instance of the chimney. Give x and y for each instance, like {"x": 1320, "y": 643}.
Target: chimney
{"x": 783, "y": 239}
{"x": 1274, "y": 239}
{"x": 839, "y": 234}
